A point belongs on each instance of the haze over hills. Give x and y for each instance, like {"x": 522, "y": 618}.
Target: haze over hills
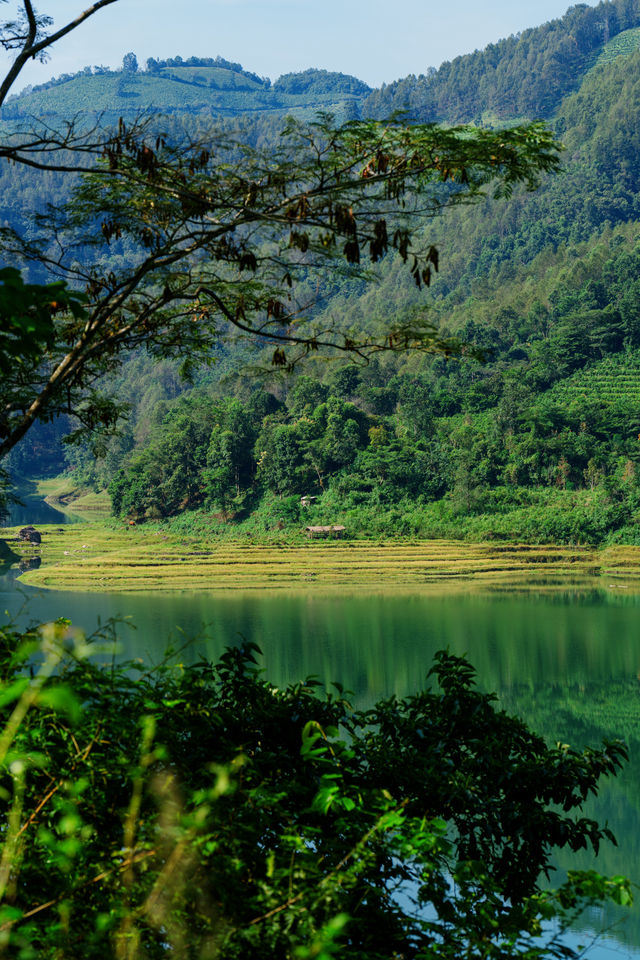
{"x": 205, "y": 87}
{"x": 521, "y": 76}
{"x": 539, "y": 442}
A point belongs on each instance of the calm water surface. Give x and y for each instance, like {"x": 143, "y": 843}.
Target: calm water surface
{"x": 33, "y": 509}
{"x": 568, "y": 663}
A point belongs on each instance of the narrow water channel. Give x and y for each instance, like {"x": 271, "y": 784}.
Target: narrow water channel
{"x": 31, "y": 508}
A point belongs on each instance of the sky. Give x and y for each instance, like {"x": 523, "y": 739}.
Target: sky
{"x": 376, "y": 40}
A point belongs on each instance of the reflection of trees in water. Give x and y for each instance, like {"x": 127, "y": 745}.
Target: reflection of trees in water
{"x": 567, "y": 663}
{"x": 31, "y": 507}
{"x": 583, "y": 714}
{"x": 34, "y": 510}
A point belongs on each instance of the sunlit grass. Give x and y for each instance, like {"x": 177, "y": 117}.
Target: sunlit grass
{"x": 102, "y": 557}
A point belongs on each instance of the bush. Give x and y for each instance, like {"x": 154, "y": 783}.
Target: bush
{"x": 200, "y": 811}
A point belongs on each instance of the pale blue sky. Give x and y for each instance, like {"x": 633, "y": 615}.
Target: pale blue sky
{"x": 377, "y": 40}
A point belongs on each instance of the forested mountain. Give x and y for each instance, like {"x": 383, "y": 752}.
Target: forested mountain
{"x": 538, "y": 442}
{"x": 526, "y": 75}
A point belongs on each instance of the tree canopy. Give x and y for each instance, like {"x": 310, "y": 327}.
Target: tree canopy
{"x": 176, "y": 243}
{"x": 524, "y": 75}
{"x": 202, "y": 809}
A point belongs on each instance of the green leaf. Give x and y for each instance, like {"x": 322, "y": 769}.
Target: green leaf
{"x": 13, "y": 691}
{"x": 61, "y": 699}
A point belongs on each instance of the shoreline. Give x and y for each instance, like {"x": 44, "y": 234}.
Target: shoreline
{"x": 63, "y": 495}
{"x": 101, "y": 558}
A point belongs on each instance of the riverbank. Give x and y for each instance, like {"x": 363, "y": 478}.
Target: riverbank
{"x": 108, "y": 557}
{"x": 65, "y": 495}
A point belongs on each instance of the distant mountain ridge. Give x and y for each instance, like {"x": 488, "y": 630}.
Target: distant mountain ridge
{"x": 522, "y": 76}
{"x": 539, "y": 443}
{"x": 202, "y": 86}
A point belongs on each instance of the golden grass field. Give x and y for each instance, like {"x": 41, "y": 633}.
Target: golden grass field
{"x": 106, "y": 557}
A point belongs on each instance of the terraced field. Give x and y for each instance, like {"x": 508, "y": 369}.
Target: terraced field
{"x": 95, "y": 557}
{"x": 211, "y": 90}
{"x": 621, "y": 45}
{"x": 614, "y": 379}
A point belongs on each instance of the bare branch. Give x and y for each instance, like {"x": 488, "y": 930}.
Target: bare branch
{"x": 32, "y": 47}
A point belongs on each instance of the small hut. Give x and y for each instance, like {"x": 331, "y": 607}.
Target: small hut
{"x": 335, "y": 531}
{"x": 307, "y": 500}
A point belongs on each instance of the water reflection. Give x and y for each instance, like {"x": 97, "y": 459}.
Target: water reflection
{"x": 568, "y": 663}
{"x": 382, "y": 644}
{"x": 33, "y": 509}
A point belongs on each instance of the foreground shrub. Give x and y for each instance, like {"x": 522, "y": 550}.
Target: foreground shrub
{"x": 202, "y": 812}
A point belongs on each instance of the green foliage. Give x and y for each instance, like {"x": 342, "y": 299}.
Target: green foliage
{"x": 202, "y": 811}
{"x": 501, "y": 472}
{"x": 200, "y": 450}
{"x": 200, "y": 87}
{"x": 613, "y": 380}
{"x": 621, "y": 45}
{"x": 129, "y": 63}
{"x": 216, "y": 238}
{"x": 230, "y": 465}
{"x": 320, "y": 81}
{"x": 27, "y": 315}
{"x": 545, "y": 286}
{"x": 525, "y": 75}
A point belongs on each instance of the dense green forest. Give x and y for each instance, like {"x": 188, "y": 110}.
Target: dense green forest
{"x": 526, "y": 75}
{"x": 539, "y": 439}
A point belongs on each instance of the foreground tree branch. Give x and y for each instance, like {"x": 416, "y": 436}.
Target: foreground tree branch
{"x": 217, "y": 241}
{"x": 25, "y": 35}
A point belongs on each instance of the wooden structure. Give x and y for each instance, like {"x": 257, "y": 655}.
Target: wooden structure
{"x": 307, "y": 500}
{"x": 335, "y": 531}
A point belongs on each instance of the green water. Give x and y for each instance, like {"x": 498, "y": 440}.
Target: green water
{"x": 567, "y": 663}
{"x": 31, "y": 508}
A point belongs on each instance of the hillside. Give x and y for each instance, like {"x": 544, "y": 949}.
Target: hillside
{"x": 621, "y": 45}
{"x": 612, "y": 380}
{"x": 540, "y": 442}
{"x": 522, "y": 76}
{"x": 195, "y": 87}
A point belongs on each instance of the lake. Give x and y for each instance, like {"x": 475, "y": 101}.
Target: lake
{"x": 567, "y": 662}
